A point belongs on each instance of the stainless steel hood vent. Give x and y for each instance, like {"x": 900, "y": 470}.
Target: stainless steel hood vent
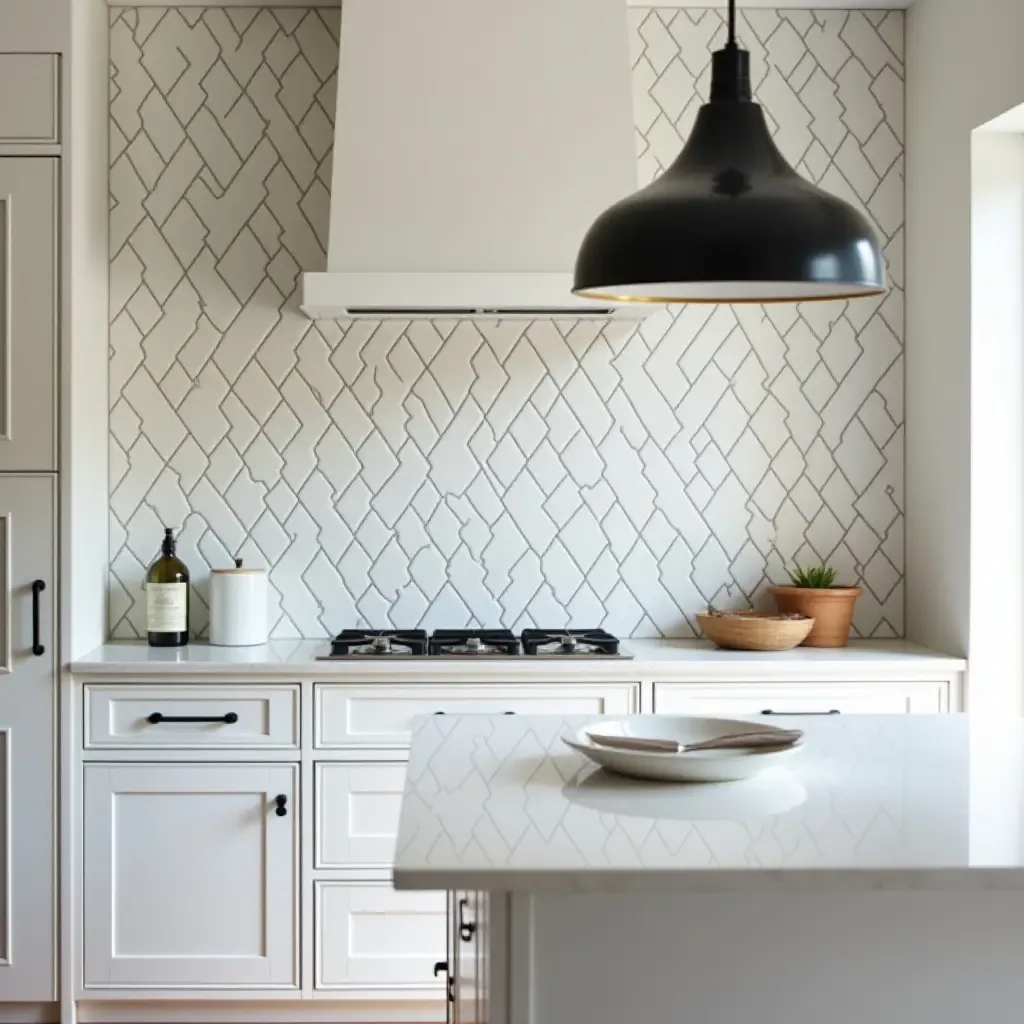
{"x": 475, "y": 142}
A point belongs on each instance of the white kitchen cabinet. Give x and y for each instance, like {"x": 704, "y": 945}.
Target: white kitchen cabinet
{"x": 190, "y": 717}
{"x": 27, "y": 784}
{"x": 383, "y": 716}
{"x": 29, "y": 311}
{"x": 34, "y": 78}
{"x": 176, "y": 902}
{"x": 862, "y": 698}
{"x": 468, "y": 959}
{"x": 368, "y": 936}
{"x": 190, "y": 876}
{"x": 483, "y": 930}
{"x": 467, "y": 968}
{"x": 356, "y": 813}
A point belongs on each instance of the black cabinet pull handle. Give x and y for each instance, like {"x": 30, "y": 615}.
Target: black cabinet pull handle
{"x": 38, "y": 586}
{"x": 438, "y": 712}
{"x": 441, "y": 967}
{"x": 282, "y": 805}
{"x": 466, "y": 928}
{"x": 508, "y": 712}
{"x": 157, "y": 717}
{"x": 768, "y": 711}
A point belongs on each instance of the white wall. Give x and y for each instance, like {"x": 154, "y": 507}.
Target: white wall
{"x": 997, "y": 421}
{"x": 963, "y": 69}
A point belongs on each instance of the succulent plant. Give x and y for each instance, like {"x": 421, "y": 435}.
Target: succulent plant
{"x": 814, "y": 577}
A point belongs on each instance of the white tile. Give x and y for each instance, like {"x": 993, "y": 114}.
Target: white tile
{"x": 584, "y": 539}
{"x": 455, "y": 471}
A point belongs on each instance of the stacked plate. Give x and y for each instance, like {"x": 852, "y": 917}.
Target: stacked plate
{"x": 672, "y": 748}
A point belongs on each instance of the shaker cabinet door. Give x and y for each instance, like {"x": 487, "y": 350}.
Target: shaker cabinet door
{"x": 28, "y": 313}
{"x": 467, "y": 972}
{"x": 190, "y": 876}
{"x": 27, "y": 783}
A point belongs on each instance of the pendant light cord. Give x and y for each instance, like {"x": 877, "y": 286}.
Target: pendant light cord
{"x": 732, "y": 24}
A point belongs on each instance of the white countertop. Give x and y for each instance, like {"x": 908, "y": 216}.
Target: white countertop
{"x": 494, "y": 803}
{"x": 651, "y": 659}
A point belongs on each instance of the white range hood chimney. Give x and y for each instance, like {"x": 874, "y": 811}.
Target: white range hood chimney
{"x": 475, "y": 142}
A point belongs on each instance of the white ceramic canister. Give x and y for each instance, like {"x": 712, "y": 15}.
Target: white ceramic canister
{"x": 238, "y": 606}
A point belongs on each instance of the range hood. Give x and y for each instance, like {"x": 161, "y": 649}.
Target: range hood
{"x": 475, "y": 142}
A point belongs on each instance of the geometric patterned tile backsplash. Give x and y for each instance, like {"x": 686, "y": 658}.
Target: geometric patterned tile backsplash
{"x": 503, "y": 473}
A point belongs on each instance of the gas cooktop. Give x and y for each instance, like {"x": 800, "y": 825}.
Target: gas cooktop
{"x": 474, "y": 643}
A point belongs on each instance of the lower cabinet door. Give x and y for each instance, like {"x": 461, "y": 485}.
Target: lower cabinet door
{"x": 28, "y": 593}
{"x": 467, "y": 971}
{"x": 370, "y": 937}
{"x": 190, "y": 876}
{"x": 483, "y": 957}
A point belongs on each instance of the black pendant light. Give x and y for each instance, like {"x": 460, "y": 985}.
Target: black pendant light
{"x": 730, "y": 220}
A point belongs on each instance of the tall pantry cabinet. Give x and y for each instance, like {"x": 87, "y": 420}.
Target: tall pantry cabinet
{"x": 54, "y": 336}
{"x": 29, "y": 333}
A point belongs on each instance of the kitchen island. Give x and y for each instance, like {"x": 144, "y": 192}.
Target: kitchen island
{"x": 878, "y": 878}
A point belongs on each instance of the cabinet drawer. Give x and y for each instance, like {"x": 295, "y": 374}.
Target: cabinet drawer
{"x": 31, "y": 114}
{"x": 357, "y": 808}
{"x": 867, "y": 698}
{"x": 382, "y": 716}
{"x": 371, "y": 936}
{"x": 228, "y": 716}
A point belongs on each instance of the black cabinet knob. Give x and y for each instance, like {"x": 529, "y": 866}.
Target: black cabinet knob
{"x": 282, "y": 805}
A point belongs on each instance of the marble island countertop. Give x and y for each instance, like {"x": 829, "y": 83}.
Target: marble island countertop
{"x": 650, "y": 659}
{"x": 873, "y": 802}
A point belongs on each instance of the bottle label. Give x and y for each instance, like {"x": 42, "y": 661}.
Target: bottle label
{"x": 166, "y": 607}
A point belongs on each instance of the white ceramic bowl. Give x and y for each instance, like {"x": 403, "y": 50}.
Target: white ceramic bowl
{"x": 698, "y": 766}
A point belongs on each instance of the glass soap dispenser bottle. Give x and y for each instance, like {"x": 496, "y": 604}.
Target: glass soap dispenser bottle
{"x": 167, "y": 592}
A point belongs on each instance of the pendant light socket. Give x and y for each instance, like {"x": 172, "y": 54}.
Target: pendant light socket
{"x": 730, "y": 76}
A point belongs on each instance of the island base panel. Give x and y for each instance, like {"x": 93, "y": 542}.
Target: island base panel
{"x": 888, "y": 957}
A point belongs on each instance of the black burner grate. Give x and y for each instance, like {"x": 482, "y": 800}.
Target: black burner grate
{"x": 474, "y": 642}
{"x": 379, "y": 642}
{"x": 568, "y": 642}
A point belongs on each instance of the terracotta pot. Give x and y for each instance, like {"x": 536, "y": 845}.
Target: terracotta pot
{"x": 831, "y": 609}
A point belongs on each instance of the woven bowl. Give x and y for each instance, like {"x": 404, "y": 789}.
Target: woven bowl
{"x": 754, "y": 631}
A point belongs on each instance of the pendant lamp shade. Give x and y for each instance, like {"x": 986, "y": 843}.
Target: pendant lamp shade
{"x": 730, "y": 220}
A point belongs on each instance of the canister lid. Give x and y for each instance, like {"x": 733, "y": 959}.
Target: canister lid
{"x": 238, "y": 568}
